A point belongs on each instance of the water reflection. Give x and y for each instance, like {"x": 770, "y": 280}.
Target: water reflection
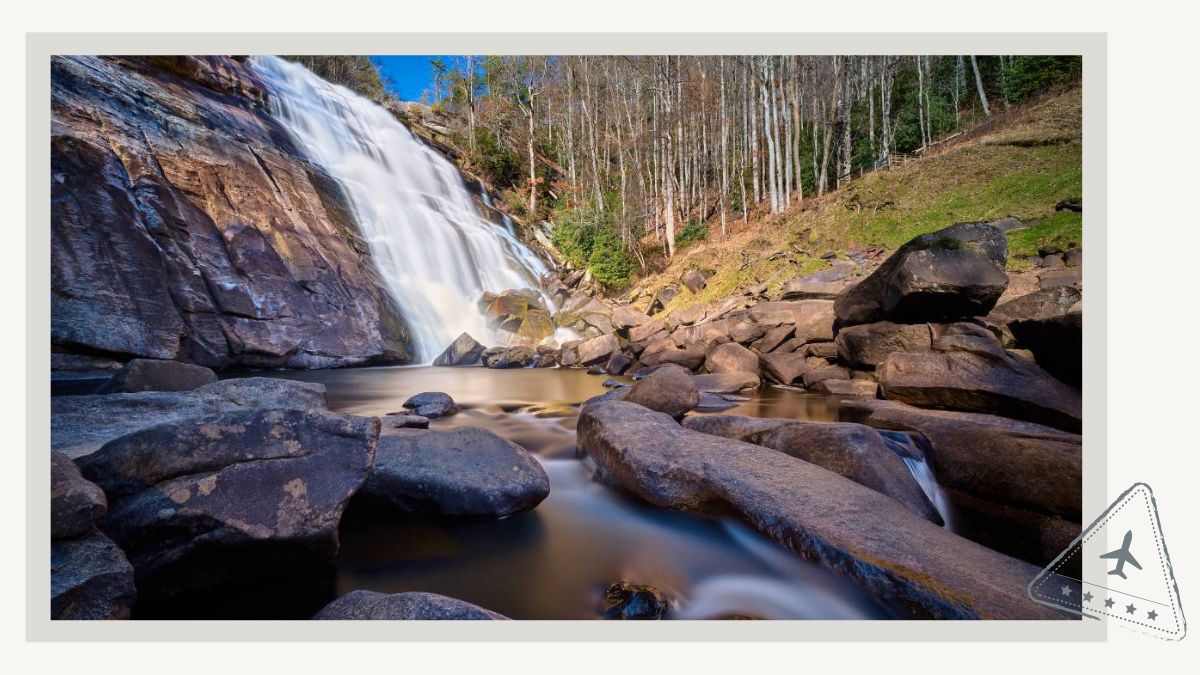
{"x": 553, "y": 562}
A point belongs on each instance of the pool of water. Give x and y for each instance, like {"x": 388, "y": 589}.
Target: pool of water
{"x": 554, "y": 562}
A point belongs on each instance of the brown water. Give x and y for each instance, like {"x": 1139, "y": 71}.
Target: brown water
{"x": 553, "y": 562}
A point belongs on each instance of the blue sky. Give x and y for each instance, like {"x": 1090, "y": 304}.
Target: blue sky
{"x": 407, "y": 76}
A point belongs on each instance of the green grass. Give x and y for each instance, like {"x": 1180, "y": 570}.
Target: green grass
{"x": 978, "y": 183}
{"x": 1064, "y": 229}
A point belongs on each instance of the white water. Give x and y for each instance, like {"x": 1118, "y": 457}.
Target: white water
{"x": 923, "y": 474}
{"x": 435, "y": 251}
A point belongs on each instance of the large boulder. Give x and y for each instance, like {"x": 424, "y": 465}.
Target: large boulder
{"x": 784, "y": 368}
{"x": 694, "y": 280}
{"x": 853, "y": 387}
{"x": 508, "y": 357}
{"x": 597, "y": 350}
{"x": 510, "y": 307}
{"x": 81, "y": 424}
{"x": 536, "y": 325}
{"x": 464, "y": 351}
{"x": 1050, "y": 324}
{"x": 431, "y": 404}
{"x": 369, "y": 605}
{"x": 466, "y": 471}
{"x": 669, "y": 389}
{"x": 690, "y": 356}
{"x": 75, "y": 502}
{"x": 625, "y": 317}
{"x": 867, "y": 345}
{"x": 196, "y": 501}
{"x": 855, "y": 451}
{"x": 866, "y": 536}
{"x": 152, "y": 375}
{"x": 946, "y": 275}
{"x": 90, "y": 579}
{"x": 978, "y": 376}
{"x": 994, "y": 458}
{"x": 731, "y": 357}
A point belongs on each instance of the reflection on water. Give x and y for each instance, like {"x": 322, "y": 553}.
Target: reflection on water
{"x": 553, "y": 562}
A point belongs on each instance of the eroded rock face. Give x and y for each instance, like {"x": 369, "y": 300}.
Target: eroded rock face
{"x": 196, "y": 501}
{"x": 75, "y": 502}
{"x": 461, "y": 472}
{"x": 1049, "y": 323}
{"x": 855, "y": 451}
{"x": 79, "y": 425}
{"x": 824, "y": 517}
{"x": 978, "y": 376}
{"x": 90, "y": 579}
{"x": 151, "y": 375}
{"x": 185, "y": 225}
{"x": 369, "y": 605}
{"x": 464, "y": 351}
{"x": 946, "y": 275}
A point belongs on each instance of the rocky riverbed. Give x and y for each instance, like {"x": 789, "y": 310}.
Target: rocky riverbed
{"x": 901, "y": 440}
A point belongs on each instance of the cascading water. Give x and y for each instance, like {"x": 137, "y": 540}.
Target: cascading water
{"x": 436, "y": 253}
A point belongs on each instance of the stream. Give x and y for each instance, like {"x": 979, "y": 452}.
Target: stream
{"x": 554, "y": 562}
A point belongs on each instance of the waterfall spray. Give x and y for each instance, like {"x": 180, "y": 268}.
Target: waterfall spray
{"x": 435, "y": 251}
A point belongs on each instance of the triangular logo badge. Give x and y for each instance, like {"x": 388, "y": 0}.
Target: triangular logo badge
{"x": 1118, "y": 570}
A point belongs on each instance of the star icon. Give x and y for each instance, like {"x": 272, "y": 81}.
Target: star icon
{"x": 1108, "y": 602}
{"x": 1130, "y": 609}
{"x": 1152, "y": 615}
{"x": 1087, "y": 597}
{"x": 1066, "y": 590}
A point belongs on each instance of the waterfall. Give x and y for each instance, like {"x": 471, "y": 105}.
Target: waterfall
{"x": 435, "y": 252}
{"x": 914, "y": 457}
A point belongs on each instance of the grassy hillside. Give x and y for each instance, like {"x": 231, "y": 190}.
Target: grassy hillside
{"x": 1020, "y": 163}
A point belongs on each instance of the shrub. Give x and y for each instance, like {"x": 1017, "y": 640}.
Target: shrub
{"x": 588, "y": 239}
{"x": 693, "y": 232}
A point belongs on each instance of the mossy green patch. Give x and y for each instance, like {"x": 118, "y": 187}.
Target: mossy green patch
{"x": 1063, "y": 229}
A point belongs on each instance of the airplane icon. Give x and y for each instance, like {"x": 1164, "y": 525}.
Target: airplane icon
{"x": 1122, "y": 556}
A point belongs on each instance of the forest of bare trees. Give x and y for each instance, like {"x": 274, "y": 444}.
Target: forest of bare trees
{"x": 634, "y": 154}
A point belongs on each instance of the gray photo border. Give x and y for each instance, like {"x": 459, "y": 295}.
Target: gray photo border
{"x": 40, "y": 46}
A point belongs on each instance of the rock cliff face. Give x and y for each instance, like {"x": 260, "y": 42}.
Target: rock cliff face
{"x": 186, "y": 225}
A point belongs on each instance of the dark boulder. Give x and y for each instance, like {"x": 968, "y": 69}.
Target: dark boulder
{"x": 75, "y": 502}
{"x": 946, "y": 275}
{"x": 81, "y": 424}
{"x": 669, "y": 390}
{"x": 625, "y": 317}
{"x": 617, "y": 364}
{"x": 1049, "y": 323}
{"x": 984, "y": 379}
{"x": 200, "y": 500}
{"x": 866, "y": 536}
{"x": 152, "y": 375}
{"x": 464, "y": 351}
{"x": 372, "y": 606}
{"x": 690, "y": 356}
{"x": 662, "y": 299}
{"x": 634, "y": 602}
{"x": 867, "y": 345}
{"x": 432, "y": 404}
{"x": 466, "y": 471}
{"x": 508, "y": 357}
{"x": 90, "y": 579}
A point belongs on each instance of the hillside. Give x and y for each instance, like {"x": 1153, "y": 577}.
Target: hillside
{"x": 1021, "y": 164}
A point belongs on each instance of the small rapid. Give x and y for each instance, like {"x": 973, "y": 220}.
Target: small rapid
{"x": 435, "y": 251}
